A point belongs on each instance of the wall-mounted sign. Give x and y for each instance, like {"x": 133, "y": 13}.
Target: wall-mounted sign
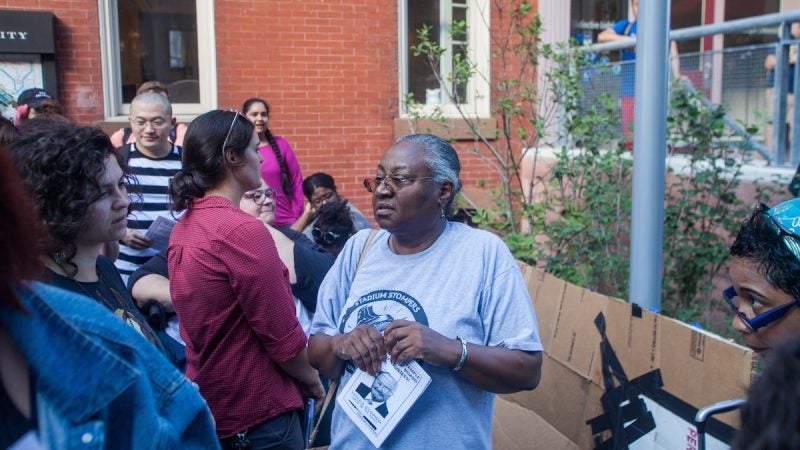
{"x": 26, "y": 32}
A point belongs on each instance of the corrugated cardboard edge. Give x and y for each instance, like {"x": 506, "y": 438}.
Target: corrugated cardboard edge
{"x": 698, "y": 367}
{"x": 518, "y": 428}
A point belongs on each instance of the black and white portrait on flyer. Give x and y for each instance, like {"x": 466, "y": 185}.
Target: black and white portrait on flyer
{"x": 376, "y": 404}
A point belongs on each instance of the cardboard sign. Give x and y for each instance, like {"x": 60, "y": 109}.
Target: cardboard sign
{"x": 617, "y": 376}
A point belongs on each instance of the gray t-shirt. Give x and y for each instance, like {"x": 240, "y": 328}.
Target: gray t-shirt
{"x": 466, "y": 284}
{"x": 359, "y": 221}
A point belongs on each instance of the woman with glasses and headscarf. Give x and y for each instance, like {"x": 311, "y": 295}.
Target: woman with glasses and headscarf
{"x": 765, "y": 272}
{"x": 423, "y": 288}
{"x": 244, "y": 346}
{"x": 333, "y": 226}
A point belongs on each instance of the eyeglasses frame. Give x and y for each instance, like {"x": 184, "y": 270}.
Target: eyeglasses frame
{"x": 323, "y": 236}
{"x": 761, "y": 320}
{"x": 389, "y": 181}
{"x": 266, "y": 192}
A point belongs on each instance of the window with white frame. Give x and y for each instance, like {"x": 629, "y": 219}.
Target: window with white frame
{"x": 171, "y": 41}
{"x": 432, "y": 87}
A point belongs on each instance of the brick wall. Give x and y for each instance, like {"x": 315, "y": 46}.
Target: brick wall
{"x": 329, "y": 70}
{"x": 77, "y": 35}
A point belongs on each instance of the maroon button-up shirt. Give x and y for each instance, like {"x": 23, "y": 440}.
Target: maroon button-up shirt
{"x": 237, "y": 315}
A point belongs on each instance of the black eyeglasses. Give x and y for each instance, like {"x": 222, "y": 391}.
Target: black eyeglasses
{"x": 761, "y": 320}
{"x": 260, "y": 196}
{"x": 394, "y": 183}
{"x": 233, "y": 122}
{"x": 325, "y": 237}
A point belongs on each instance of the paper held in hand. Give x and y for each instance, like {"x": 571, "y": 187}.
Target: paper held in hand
{"x": 159, "y": 232}
{"x": 377, "y": 404}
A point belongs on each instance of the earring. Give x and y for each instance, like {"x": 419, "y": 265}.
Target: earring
{"x": 442, "y": 214}
{"x": 60, "y": 256}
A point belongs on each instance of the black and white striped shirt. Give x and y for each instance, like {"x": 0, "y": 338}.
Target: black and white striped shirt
{"x": 149, "y": 199}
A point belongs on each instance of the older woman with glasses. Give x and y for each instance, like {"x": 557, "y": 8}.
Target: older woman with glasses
{"x": 423, "y": 288}
{"x": 307, "y": 263}
{"x": 765, "y": 271}
{"x": 244, "y": 347}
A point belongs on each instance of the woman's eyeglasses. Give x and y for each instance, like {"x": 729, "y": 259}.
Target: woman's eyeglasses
{"x": 324, "y": 198}
{"x": 394, "y": 183}
{"x": 761, "y": 320}
{"x": 325, "y": 237}
{"x": 260, "y": 196}
{"x": 233, "y": 122}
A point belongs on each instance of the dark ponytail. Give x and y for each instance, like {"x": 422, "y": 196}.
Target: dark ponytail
{"x": 287, "y": 186}
{"x": 202, "y": 156}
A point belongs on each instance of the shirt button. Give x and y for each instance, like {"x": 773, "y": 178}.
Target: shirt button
{"x": 87, "y": 438}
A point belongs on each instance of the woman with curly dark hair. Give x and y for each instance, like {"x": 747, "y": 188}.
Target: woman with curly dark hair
{"x": 279, "y": 168}
{"x": 333, "y": 226}
{"x": 764, "y": 271}
{"x": 244, "y": 347}
{"x": 72, "y": 373}
{"x": 77, "y": 185}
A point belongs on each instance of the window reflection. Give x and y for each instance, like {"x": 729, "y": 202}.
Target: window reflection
{"x": 158, "y": 42}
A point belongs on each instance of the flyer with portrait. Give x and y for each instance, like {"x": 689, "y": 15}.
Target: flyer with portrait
{"x": 376, "y": 404}
{"x": 159, "y": 232}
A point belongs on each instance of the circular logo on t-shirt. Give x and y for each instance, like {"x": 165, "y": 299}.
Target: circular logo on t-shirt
{"x": 380, "y": 308}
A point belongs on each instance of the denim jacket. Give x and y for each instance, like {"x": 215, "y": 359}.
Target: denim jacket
{"x": 98, "y": 384}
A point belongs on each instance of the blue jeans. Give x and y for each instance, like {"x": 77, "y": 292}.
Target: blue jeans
{"x": 279, "y": 433}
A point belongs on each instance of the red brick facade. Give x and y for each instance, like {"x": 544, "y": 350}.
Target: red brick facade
{"x": 329, "y": 70}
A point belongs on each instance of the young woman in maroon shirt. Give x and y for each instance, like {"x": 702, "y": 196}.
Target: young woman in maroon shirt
{"x": 244, "y": 346}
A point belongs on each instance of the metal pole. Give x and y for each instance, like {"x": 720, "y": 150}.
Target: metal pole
{"x": 795, "y": 139}
{"x": 780, "y": 88}
{"x": 649, "y": 153}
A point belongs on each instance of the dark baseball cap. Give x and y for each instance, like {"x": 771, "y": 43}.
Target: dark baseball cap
{"x": 33, "y": 97}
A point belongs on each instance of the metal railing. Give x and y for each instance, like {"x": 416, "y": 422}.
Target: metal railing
{"x": 734, "y": 77}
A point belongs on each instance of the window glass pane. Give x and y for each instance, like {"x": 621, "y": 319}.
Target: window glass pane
{"x": 158, "y": 42}
{"x": 421, "y": 78}
{"x": 459, "y": 89}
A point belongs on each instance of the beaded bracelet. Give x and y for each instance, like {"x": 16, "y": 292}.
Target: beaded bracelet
{"x": 463, "y": 354}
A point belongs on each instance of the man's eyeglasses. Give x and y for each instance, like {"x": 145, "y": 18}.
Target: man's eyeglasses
{"x": 784, "y": 219}
{"x": 233, "y": 122}
{"x": 260, "y": 196}
{"x": 326, "y": 237}
{"x": 761, "y": 320}
{"x": 394, "y": 183}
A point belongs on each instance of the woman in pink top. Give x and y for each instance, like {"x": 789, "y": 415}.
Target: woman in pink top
{"x": 244, "y": 347}
{"x": 280, "y": 168}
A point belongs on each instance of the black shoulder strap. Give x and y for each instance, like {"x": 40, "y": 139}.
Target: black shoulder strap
{"x": 124, "y": 151}
{"x": 126, "y": 134}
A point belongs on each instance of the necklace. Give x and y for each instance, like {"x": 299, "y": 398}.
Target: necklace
{"x": 118, "y": 307}
{"x": 115, "y": 307}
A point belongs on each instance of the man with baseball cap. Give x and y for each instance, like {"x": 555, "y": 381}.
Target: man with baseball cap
{"x": 36, "y": 102}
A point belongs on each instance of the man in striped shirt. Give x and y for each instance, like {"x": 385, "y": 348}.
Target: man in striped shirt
{"x": 153, "y": 159}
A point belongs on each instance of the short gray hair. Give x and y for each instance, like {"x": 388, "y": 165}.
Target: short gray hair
{"x": 441, "y": 158}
